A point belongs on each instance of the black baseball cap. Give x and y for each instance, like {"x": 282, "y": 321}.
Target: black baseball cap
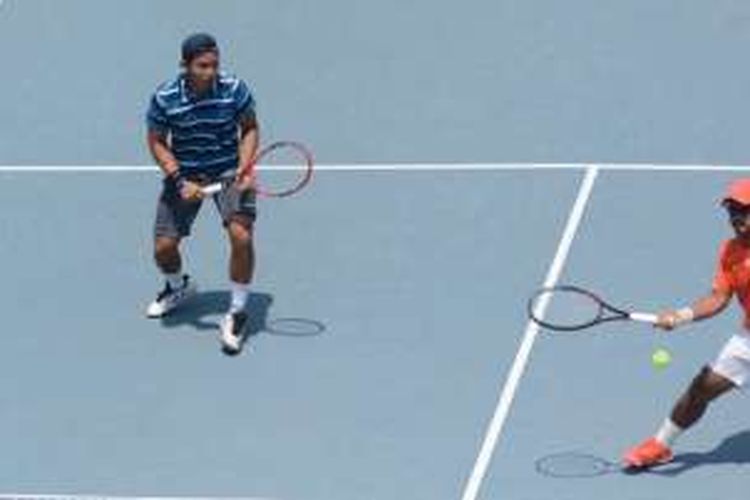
{"x": 197, "y": 44}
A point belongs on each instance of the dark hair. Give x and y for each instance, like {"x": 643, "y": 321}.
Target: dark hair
{"x": 197, "y": 44}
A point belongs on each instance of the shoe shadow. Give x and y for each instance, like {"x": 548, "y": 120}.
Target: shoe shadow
{"x": 733, "y": 450}
{"x": 203, "y": 312}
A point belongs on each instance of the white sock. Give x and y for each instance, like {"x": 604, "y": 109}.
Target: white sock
{"x": 240, "y": 291}
{"x": 668, "y": 433}
{"x": 174, "y": 280}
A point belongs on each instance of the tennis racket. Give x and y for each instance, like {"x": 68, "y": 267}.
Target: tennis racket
{"x": 279, "y": 170}
{"x": 571, "y": 308}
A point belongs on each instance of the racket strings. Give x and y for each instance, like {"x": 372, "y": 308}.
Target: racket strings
{"x": 282, "y": 169}
{"x": 565, "y": 309}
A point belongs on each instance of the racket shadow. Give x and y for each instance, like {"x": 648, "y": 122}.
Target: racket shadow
{"x": 204, "y": 311}
{"x": 295, "y": 327}
{"x": 576, "y": 465}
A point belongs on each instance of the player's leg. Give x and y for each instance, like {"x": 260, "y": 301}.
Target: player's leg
{"x": 705, "y": 387}
{"x": 730, "y": 370}
{"x": 238, "y": 213}
{"x": 174, "y": 218}
{"x": 241, "y": 261}
{"x": 167, "y": 255}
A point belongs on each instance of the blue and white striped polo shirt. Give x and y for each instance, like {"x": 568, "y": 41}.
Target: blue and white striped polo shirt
{"x": 204, "y": 131}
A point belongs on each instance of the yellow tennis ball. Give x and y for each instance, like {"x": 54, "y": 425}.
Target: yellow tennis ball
{"x": 661, "y": 358}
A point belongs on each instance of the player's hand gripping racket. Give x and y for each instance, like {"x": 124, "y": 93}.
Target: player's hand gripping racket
{"x": 279, "y": 170}
{"x": 571, "y": 308}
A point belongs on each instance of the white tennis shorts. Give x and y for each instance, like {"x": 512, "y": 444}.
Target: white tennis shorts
{"x": 733, "y": 361}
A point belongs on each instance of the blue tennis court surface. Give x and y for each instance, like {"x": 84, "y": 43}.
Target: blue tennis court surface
{"x": 391, "y": 397}
{"x": 392, "y": 357}
{"x": 386, "y": 358}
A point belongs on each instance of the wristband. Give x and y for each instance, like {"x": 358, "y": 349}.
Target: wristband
{"x": 178, "y": 179}
{"x": 685, "y": 315}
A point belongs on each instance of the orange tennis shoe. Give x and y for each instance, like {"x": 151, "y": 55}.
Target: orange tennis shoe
{"x": 649, "y": 453}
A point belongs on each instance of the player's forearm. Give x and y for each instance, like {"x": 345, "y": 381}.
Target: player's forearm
{"x": 709, "y": 306}
{"x": 163, "y": 156}
{"x": 703, "y": 308}
{"x": 249, "y": 145}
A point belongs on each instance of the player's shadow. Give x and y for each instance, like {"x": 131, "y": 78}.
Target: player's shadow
{"x": 204, "y": 311}
{"x": 734, "y": 450}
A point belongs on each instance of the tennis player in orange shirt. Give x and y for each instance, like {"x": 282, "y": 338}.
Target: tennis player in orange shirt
{"x": 731, "y": 369}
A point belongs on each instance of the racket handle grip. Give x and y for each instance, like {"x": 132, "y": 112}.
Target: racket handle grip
{"x": 211, "y": 189}
{"x": 644, "y": 317}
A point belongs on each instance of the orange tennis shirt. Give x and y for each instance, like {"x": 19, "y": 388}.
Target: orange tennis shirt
{"x": 733, "y": 274}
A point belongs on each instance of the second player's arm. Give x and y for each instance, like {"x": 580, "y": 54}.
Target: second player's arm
{"x": 703, "y": 308}
{"x": 710, "y": 305}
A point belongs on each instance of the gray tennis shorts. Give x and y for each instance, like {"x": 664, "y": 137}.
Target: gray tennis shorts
{"x": 175, "y": 216}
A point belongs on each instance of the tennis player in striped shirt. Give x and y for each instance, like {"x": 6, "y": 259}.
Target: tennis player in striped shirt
{"x": 202, "y": 125}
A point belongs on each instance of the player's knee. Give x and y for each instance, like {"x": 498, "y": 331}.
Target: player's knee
{"x": 241, "y": 232}
{"x": 165, "y": 249}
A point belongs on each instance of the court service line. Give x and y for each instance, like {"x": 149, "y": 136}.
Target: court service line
{"x": 10, "y": 496}
{"x": 495, "y": 428}
{"x": 403, "y": 167}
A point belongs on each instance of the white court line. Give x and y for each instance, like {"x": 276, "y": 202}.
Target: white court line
{"x": 406, "y": 167}
{"x": 495, "y": 428}
{"x": 10, "y": 496}
{"x": 384, "y": 167}
{"x": 30, "y": 169}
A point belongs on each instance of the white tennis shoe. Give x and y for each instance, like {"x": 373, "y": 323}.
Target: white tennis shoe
{"x": 233, "y": 332}
{"x": 169, "y": 298}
